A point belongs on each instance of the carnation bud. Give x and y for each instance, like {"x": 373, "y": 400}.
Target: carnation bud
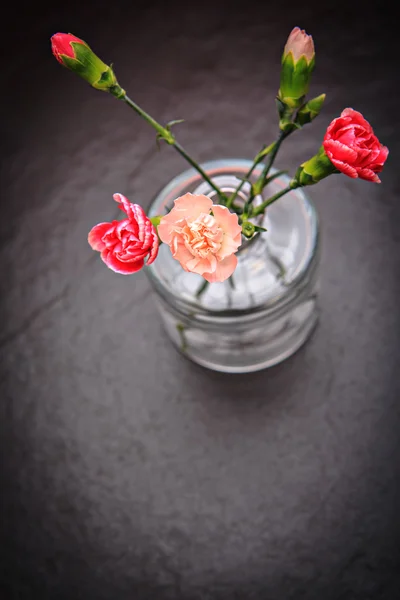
{"x": 77, "y": 56}
{"x": 297, "y": 64}
{"x": 310, "y": 110}
{"x": 248, "y": 229}
{"x": 313, "y": 170}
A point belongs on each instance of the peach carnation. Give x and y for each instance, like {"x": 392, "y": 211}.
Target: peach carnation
{"x": 202, "y": 236}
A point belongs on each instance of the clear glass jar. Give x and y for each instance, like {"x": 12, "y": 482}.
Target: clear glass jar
{"x": 268, "y": 309}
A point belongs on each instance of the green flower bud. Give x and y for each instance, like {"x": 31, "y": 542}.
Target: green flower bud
{"x": 297, "y": 64}
{"x": 77, "y": 56}
{"x": 248, "y": 229}
{"x": 310, "y": 110}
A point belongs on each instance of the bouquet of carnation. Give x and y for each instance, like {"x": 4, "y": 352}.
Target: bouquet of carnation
{"x": 233, "y": 244}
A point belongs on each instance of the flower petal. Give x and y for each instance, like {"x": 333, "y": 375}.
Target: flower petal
{"x": 154, "y": 248}
{"x": 96, "y": 234}
{"x": 368, "y": 175}
{"x": 189, "y": 206}
{"x": 227, "y": 220}
{"x": 357, "y": 117}
{"x": 381, "y": 158}
{"x": 224, "y": 269}
{"x": 202, "y": 265}
{"x": 339, "y": 151}
{"x": 125, "y": 268}
{"x": 229, "y": 223}
{"x": 139, "y": 216}
{"x": 123, "y": 200}
{"x": 182, "y": 254}
{"x": 343, "y": 167}
{"x": 166, "y": 230}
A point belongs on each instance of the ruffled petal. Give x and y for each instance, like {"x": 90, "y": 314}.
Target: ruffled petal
{"x": 224, "y": 269}
{"x": 189, "y": 206}
{"x": 154, "y": 248}
{"x": 368, "y": 175}
{"x": 229, "y": 224}
{"x": 139, "y": 217}
{"x": 357, "y": 117}
{"x": 228, "y": 221}
{"x": 181, "y": 253}
{"x": 125, "y": 268}
{"x": 125, "y": 204}
{"x": 347, "y": 135}
{"x": 96, "y": 234}
{"x": 340, "y": 151}
{"x": 383, "y": 154}
{"x": 202, "y": 265}
{"x": 343, "y": 167}
{"x": 335, "y": 126}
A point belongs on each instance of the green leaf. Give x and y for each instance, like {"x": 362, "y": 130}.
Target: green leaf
{"x": 280, "y": 106}
{"x": 274, "y": 176}
{"x": 310, "y": 110}
{"x": 264, "y": 152}
{"x": 175, "y": 122}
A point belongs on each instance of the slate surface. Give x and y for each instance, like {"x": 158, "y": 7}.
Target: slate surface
{"x": 128, "y": 472}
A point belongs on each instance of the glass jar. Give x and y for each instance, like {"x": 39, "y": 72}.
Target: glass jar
{"x": 268, "y": 308}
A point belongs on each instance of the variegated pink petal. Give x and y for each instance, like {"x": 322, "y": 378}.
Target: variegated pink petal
{"x": 96, "y": 234}
{"x": 340, "y": 151}
{"x": 368, "y": 175}
{"x": 357, "y": 117}
{"x": 343, "y": 167}
{"x": 124, "y": 268}
{"x": 154, "y": 248}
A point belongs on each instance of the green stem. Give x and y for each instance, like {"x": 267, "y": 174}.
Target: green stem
{"x": 259, "y": 209}
{"x": 166, "y": 134}
{"x": 204, "y": 175}
{"x": 260, "y": 184}
{"x": 202, "y": 288}
{"x": 272, "y": 156}
{"x": 263, "y": 152}
{"x": 232, "y": 198}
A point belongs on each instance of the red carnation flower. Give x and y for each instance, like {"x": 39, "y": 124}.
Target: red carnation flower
{"x": 125, "y": 244}
{"x": 353, "y": 148}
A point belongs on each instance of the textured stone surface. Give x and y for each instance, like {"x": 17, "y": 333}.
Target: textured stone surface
{"x": 129, "y": 472}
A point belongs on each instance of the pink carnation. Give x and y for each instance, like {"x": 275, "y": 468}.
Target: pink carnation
{"x": 353, "y": 148}
{"x": 202, "y": 236}
{"x": 300, "y": 44}
{"x": 125, "y": 244}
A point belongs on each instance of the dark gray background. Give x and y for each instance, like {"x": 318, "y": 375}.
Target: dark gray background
{"x": 128, "y": 472}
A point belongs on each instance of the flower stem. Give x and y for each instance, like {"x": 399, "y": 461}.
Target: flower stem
{"x": 263, "y": 152}
{"x": 272, "y": 156}
{"x": 232, "y": 198}
{"x": 204, "y": 175}
{"x": 166, "y": 134}
{"x": 202, "y": 288}
{"x": 271, "y": 152}
{"x": 259, "y": 209}
{"x": 162, "y": 131}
